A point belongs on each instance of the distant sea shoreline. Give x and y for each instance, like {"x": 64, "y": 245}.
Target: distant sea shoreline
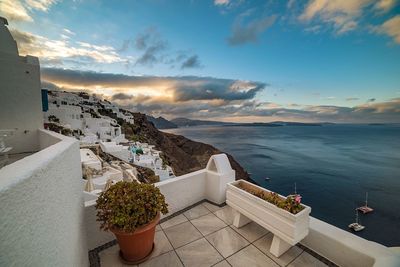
{"x": 333, "y": 166}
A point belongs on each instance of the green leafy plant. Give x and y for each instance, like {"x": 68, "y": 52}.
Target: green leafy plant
{"x": 129, "y": 205}
{"x": 291, "y": 203}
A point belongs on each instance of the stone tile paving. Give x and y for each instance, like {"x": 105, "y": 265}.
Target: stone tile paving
{"x": 204, "y": 236}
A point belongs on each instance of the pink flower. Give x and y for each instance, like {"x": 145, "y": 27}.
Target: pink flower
{"x": 297, "y": 199}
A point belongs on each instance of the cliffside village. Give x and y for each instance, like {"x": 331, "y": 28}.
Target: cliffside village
{"x": 106, "y": 155}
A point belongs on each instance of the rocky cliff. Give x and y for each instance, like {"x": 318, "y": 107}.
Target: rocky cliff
{"x": 181, "y": 153}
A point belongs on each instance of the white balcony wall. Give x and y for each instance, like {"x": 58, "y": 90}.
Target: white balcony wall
{"x": 180, "y": 192}
{"x": 346, "y": 249}
{"x": 41, "y": 209}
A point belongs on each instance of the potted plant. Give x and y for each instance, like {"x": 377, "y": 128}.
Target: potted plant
{"x": 286, "y": 217}
{"x": 131, "y": 211}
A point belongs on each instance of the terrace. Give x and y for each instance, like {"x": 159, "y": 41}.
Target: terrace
{"x": 203, "y": 235}
{"x": 198, "y": 231}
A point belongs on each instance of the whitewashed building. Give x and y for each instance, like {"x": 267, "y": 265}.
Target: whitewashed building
{"x": 69, "y": 116}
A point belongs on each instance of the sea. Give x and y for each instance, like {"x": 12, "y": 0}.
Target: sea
{"x": 332, "y": 166}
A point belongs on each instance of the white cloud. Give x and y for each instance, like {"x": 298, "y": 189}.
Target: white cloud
{"x": 221, "y": 2}
{"x": 42, "y": 5}
{"x": 341, "y": 14}
{"x": 18, "y": 10}
{"x": 67, "y": 31}
{"x": 50, "y": 50}
{"x": 390, "y": 27}
{"x": 385, "y": 5}
{"x": 14, "y": 10}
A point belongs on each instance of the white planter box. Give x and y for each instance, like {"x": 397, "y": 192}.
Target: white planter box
{"x": 288, "y": 228}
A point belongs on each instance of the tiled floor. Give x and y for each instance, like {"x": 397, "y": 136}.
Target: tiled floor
{"x": 205, "y": 236}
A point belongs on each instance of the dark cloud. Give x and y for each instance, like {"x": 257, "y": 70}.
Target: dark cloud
{"x": 191, "y": 62}
{"x": 125, "y": 46}
{"x": 50, "y": 86}
{"x": 183, "y": 88}
{"x": 143, "y": 39}
{"x": 249, "y": 32}
{"x": 152, "y": 44}
{"x": 121, "y": 96}
{"x": 222, "y": 89}
{"x": 213, "y": 98}
{"x": 371, "y": 100}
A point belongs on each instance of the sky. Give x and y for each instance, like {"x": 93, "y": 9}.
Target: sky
{"x": 228, "y": 60}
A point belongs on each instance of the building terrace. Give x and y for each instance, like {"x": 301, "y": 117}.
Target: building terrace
{"x": 46, "y": 221}
{"x": 203, "y": 235}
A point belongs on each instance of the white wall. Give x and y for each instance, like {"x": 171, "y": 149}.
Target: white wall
{"x": 42, "y": 213}
{"x": 67, "y": 114}
{"x": 180, "y": 192}
{"x": 183, "y": 191}
{"x": 346, "y": 249}
{"x": 20, "y": 95}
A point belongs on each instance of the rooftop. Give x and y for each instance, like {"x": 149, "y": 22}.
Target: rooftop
{"x": 204, "y": 236}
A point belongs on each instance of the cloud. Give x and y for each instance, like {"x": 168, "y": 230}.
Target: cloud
{"x": 221, "y": 2}
{"x": 121, "y": 96}
{"x": 19, "y": 10}
{"x": 191, "y": 62}
{"x": 152, "y": 44}
{"x": 13, "y": 10}
{"x": 178, "y": 89}
{"x": 63, "y": 50}
{"x": 385, "y": 5}
{"x": 343, "y": 15}
{"x": 249, "y": 32}
{"x": 352, "y": 99}
{"x": 227, "y": 5}
{"x": 210, "y": 98}
{"x": 69, "y": 32}
{"x": 391, "y": 27}
{"x": 42, "y": 5}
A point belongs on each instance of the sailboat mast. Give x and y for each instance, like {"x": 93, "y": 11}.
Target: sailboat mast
{"x": 366, "y": 199}
{"x": 356, "y": 216}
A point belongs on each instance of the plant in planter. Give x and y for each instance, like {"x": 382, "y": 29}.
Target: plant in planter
{"x": 285, "y": 217}
{"x": 131, "y": 211}
{"x": 291, "y": 203}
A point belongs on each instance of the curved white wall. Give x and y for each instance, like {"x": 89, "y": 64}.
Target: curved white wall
{"x": 41, "y": 209}
{"x": 346, "y": 249}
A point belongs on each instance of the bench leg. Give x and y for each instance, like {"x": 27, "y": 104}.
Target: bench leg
{"x": 239, "y": 219}
{"x": 278, "y": 246}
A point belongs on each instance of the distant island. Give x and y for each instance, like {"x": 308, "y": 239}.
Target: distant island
{"x": 162, "y": 123}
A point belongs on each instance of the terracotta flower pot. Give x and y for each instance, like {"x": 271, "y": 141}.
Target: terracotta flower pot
{"x": 137, "y": 246}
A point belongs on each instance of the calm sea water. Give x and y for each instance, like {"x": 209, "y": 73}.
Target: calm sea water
{"x": 332, "y": 165}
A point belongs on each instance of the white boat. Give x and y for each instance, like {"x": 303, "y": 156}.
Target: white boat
{"x": 356, "y": 226}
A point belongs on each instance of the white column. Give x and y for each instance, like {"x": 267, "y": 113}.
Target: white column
{"x": 239, "y": 219}
{"x": 278, "y": 246}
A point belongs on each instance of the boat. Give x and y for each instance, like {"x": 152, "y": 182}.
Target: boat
{"x": 356, "y": 226}
{"x": 365, "y": 209}
{"x": 267, "y": 178}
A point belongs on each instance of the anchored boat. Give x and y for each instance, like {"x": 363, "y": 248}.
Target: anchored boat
{"x": 356, "y": 226}
{"x": 365, "y": 209}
